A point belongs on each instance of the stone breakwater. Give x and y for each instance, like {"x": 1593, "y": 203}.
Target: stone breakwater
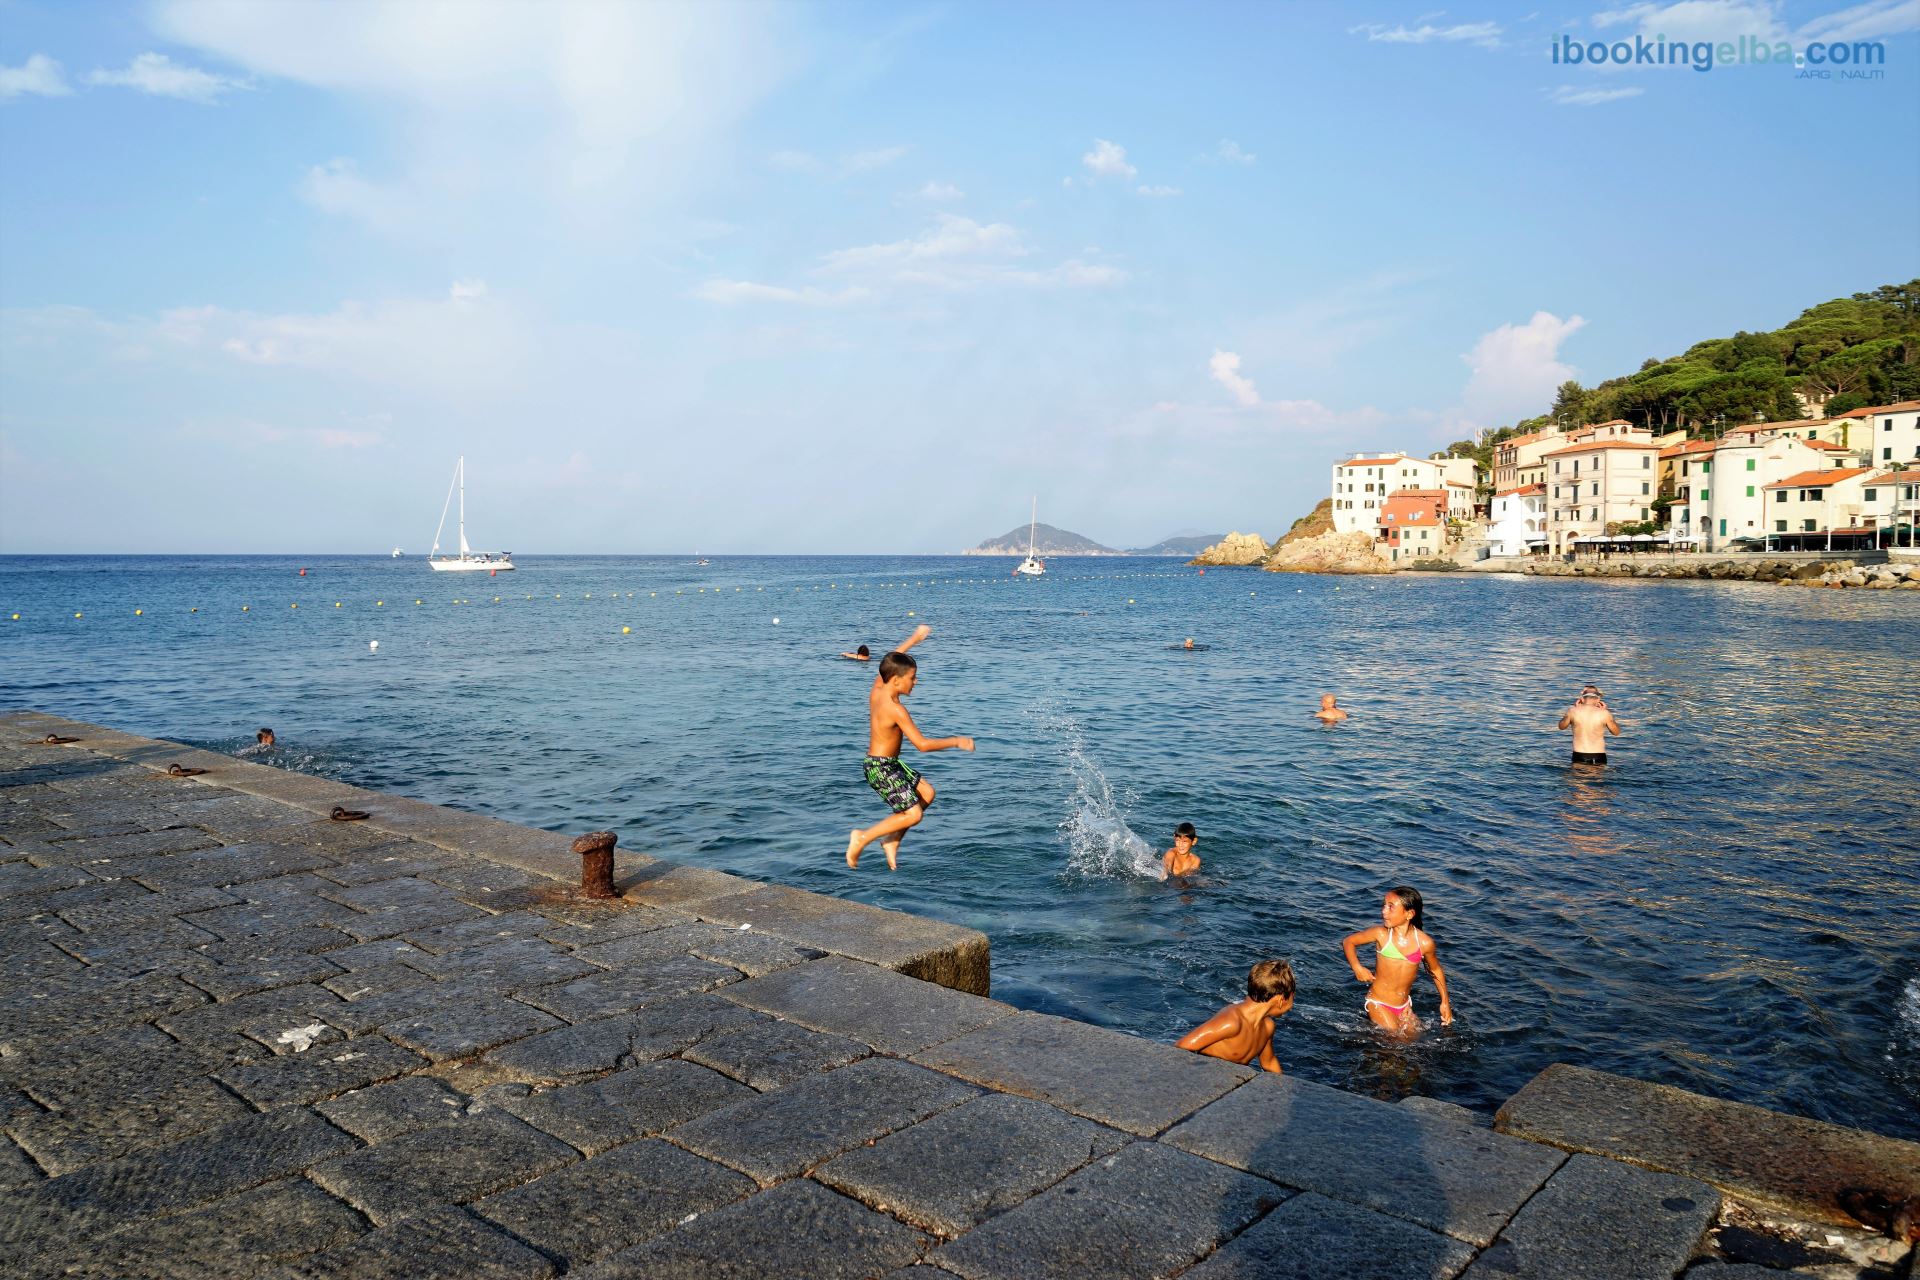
{"x": 240, "y": 1037}
{"x": 1828, "y": 573}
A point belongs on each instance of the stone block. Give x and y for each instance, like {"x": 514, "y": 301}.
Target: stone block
{"x": 594, "y": 1048}
{"x": 754, "y": 954}
{"x": 403, "y": 905}
{"x": 60, "y": 1018}
{"x": 1782, "y": 1162}
{"x": 893, "y": 1013}
{"x": 1117, "y": 1079}
{"x": 395, "y": 861}
{"x": 264, "y": 1016}
{"x": 386, "y": 1111}
{"x": 475, "y": 880}
{"x": 1446, "y": 1111}
{"x": 471, "y": 1024}
{"x": 629, "y": 1195}
{"x": 99, "y": 1067}
{"x": 17, "y": 1168}
{"x": 136, "y": 940}
{"x": 771, "y": 1055}
{"x": 244, "y": 974}
{"x": 582, "y": 921}
{"x": 118, "y": 915}
{"x": 220, "y": 867}
{"x": 1461, "y": 1181}
{"x": 1602, "y": 1220}
{"x": 781, "y": 1135}
{"x": 45, "y": 905}
{"x": 799, "y": 1229}
{"x": 229, "y": 1239}
{"x": 142, "y": 844}
{"x": 364, "y": 983}
{"x": 636, "y": 1103}
{"x": 323, "y": 1071}
{"x": 370, "y": 955}
{"x": 488, "y": 931}
{"x": 648, "y": 946}
{"x": 1313, "y": 1238}
{"x": 506, "y": 966}
{"x": 443, "y": 1242}
{"x": 931, "y": 950}
{"x": 283, "y": 913}
{"x": 623, "y": 990}
{"x": 232, "y": 1158}
{"x": 450, "y": 1163}
{"x": 678, "y": 886}
{"x": 1147, "y": 1210}
{"x": 18, "y": 879}
{"x": 65, "y": 1141}
{"x": 959, "y": 1168}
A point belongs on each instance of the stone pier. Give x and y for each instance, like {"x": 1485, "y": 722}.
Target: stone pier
{"x": 241, "y": 1038}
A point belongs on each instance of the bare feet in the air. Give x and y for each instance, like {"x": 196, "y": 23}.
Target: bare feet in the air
{"x": 853, "y": 850}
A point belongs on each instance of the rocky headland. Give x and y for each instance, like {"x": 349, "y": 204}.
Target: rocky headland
{"x": 1309, "y": 546}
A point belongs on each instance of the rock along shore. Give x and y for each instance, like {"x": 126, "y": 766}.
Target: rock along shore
{"x": 240, "y": 1038}
{"x": 1827, "y": 573}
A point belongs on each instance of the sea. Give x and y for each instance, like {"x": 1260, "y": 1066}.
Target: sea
{"x": 1732, "y": 905}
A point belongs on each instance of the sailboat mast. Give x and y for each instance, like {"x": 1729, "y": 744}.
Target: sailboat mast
{"x": 1033, "y": 524}
{"x": 463, "y": 504}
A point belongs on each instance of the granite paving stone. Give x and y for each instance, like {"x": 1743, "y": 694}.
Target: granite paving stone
{"x": 649, "y": 946}
{"x": 136, "y": 939}
{"x": 1144, "y": 1211}
{"x": 323, "y": 1071}
{"x": 369, "y": 955}
{"x": 82, "y": 1070}
{"x": 362, "y": 983}
{"x": 798, "y": 1229}
{"x": 462, "y": 1159}
{"x": 623, "y": 990}
{"x": 481, "y": 883}
{"x": 227, "y": 813}
{"x": 229, "y": 1239}
{"x": 384, "y": 1111}
{"x": 1602, "y": 1220}
{"x": 393, "y": 907}
{"x": 137, "y": 1000}
{"x": 893, "y": 1013}
{"x": 770, "y": 1055}
{"x": 234, "y": 1157}
{"x": 384, "y": 862}
{"x": 369, "y": 1012}
{"x": 264, "y": 1016}
{"x": 754, "y": 954}
{"x": 1117, "y": 1079}
{"x": 485, "y": 932}
{"x": 242, "y": 974}
{"x": 1313, "y": 1238}
{"x": 45, "y": 904}
{"x": 469, "y": 1026}
{"x": 340, "y": 840}
{"x": 18, "y": 879}
{"x": 631, "y": 1194}
{"x": 142, "y": 844}
{"x": 783, "y": 1134}
{"x": 509, "y": 966}
{"x": 1763, "y": 1157}
{"x": 583, "y": 921}
{"x": 17, "y": 1168}
{"x": 220, "y": 867}
{"x": 63, "y": 1141}
{"x": 14, "y": 1102}
{"x": 594, "y": 1048}
{"x": 959, "y": 1168}
{"x": 118, "y": 915}
{"x": 1463, "y": 1181}
{"x": 636, "y": 1103}
{"x": 255, "y": 918}
{"x": 442, "y": 1243}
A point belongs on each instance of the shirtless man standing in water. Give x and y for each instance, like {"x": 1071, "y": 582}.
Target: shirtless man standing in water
{"x": 1591, "y": 722}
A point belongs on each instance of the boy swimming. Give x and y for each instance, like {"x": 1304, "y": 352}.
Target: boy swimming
{"x": 905, "y": 791}
{"x": 1181, "y": 859}
{"x": 1244, "y": 1031}
{"x": 1399, "y": 948}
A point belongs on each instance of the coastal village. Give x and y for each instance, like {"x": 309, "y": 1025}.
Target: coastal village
{"x": 1847, "y": 484}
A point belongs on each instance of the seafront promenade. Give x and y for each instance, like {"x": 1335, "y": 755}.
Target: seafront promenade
{"x": 239, "y": 1038}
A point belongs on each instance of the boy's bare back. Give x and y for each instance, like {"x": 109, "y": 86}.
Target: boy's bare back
{"x": 1236, "y": 1034}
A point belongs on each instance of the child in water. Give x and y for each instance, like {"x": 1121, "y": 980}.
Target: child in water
{"x": 1400, "y": 946}
{"x": 1242, "y": 1032}
{"x": 1181, "y": 859}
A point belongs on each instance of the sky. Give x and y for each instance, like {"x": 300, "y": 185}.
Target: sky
{"x": 790, "y": 278}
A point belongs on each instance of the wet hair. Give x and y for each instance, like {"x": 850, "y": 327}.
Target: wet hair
{"x": 263, "y": 735}
{"x": 1268, "y": 979}
{"x": 1410, "y": 899}
{"x": 1186, "y": 829}
{"x": 896, "y": 664}
{"x": 862, "y": 651}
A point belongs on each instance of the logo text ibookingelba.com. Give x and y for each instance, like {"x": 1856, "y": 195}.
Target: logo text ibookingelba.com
{"x": 1704, "y": 55}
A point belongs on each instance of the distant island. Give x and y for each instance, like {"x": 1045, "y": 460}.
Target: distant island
{"x": 1049, "y": 541}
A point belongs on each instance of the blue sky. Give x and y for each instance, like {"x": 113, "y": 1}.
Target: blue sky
{"x": 863, "y": 278}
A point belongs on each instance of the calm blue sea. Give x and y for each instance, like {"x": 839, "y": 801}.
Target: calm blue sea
{"x": 1733, "y": 907}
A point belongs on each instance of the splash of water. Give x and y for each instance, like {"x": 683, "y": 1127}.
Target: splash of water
{"x": 1099, "y": 841}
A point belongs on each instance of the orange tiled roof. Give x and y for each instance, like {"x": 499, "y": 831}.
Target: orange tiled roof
{"x": 1819, "y": 479}
{"x": 1376, "y": 462}
{"x": 1902, "y": 407}
{"x": 1828, "y": 445}
{"x": 1614, "y": 443}
{"x": 1689, "y": 446}
{"x": 1525, "y": 488}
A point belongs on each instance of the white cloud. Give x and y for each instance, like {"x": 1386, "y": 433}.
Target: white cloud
{"x": 159, "y": 75}
{"x": 1516, "y": 368}
{"x": 1865, "y": 21}
{"x": 336, "y": 187}
{"x": 1567, "y": 96}
{"x": 861, "y": 161}
{"x": 1230, "y": 151}
{"x": 1226, "y": 371}
{"x": 465, "y": 289}
{"x": 1484, "y": 34}
{"x": 732, "y": 291}
{"x": 1108, "y": 160}
{"x": 39, "y": 74}
{"x": 939, "y": 192}
{"x": 1725, "y": 20}
{"x": 1159, "y": 191}
{"x": 950, "y": 237}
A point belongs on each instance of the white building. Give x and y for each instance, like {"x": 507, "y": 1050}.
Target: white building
{"x": 1895, "y": 437}
{"x": 1720, "y": 487}
{"x": 1361, "y": 485}
{"x": 1605, "y": 475}
{"x": 1519, "y": 520}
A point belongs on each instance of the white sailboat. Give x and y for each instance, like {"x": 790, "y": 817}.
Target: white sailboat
{"x": 1031, "y": 567}
{"x": 397, "y": 553}
{"x": 468, "y": 559}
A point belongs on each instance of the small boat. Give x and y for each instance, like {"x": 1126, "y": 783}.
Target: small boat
{"x": 397, "y": 553}
{"x": 469, "y": 560}
{"x": 1031, "y": 567}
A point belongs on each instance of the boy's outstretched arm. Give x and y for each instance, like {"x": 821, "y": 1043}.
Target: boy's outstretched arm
{"x": 920, "y": 741}
{"x": 920, "y": 633}
{"x": 1212, "y": 1031}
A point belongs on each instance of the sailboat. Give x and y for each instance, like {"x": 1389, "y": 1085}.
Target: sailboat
{"x": 1031, "y": 566}
{"x": 468, "y": 559}
{"x": 397, "y": 553}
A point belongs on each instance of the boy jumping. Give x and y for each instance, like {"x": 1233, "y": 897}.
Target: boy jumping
{"x": 905, "y": 791}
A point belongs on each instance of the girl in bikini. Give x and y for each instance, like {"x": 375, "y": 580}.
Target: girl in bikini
{"x": 1400, "y": 947}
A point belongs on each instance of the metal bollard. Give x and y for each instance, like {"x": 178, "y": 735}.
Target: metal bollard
{"x": 596, "y": 864}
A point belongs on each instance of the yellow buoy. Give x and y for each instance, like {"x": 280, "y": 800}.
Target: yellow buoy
{"x": 1129, "y": 599}
{"x": 589, "y": 595}
{"x": 77, "y": 615}
{"x": 379, "y": 604}
{"x": 652, "y": 594}
{"x": 137, "y": 612}
{"x": 416, "y": 602}
{"x": 336, "y": 604}
{"x": 194, "y": 610}
{"x": 626, "y": 631}
{"x": 293, "y": 606}
{"x": 909, "y": 613}
{"x": 16, "y": 617}
{"x": 244, "y": 608}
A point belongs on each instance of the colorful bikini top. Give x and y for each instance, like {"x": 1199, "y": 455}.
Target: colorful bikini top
{"x": 1390, "y": 951}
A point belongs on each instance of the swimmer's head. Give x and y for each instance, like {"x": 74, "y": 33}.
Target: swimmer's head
{"x": 862, "y": 651}
{"x": 1189, "y": 643}
{"x": 264, "y": 737}
{"x": 895, "y": 665}
{"x": 1270, "y": 980}
{"x": 1186, "y": 832}
{"x": 1408, "y": 900}
{"x": 1326, "y": 702}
